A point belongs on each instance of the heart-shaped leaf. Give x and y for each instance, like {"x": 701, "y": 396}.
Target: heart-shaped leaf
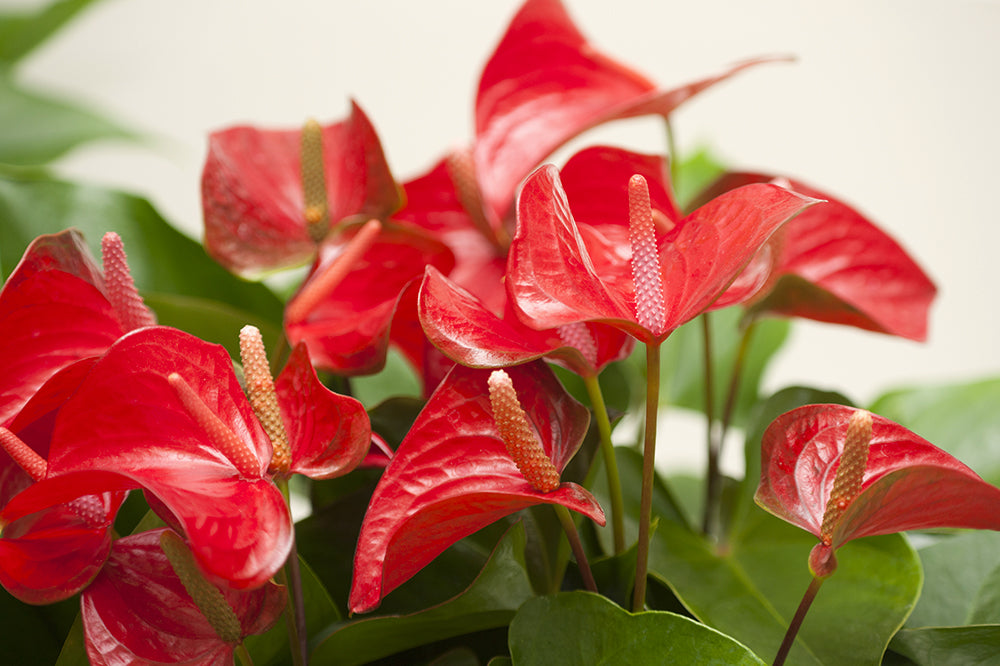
{"x": 584, "y": 628}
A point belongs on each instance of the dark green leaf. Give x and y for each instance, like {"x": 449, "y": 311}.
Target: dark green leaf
{"x": 962, "y": 577}
{"x": 683, "y": 366}
{"x": 962, "y": 419}
{"x": 950, "y": 646}
{"x": 489, "y": 602}
{"x": 33, "y": 634}
{"x": 750, "y": 588}
{"x": 22, "y": 31}
{"x": 584, "y": 628}
{"x": 36, "y": 128}
{"x": 271, "y": 648}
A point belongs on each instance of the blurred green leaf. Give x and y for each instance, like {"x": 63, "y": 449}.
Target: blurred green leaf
{"x": 962, "y": 419}
{"x": 962, "y": 574}
{"x": 584, "y": 628}
{"x": 694, "y": 173}
{"x": 490, "y": 601}
{"x": 37, "y": 128}
{"x": 950, "y": 646}
{"x": 22, "y": 31}
{"x": 163, "y": 261}
{"x": 683, "y": 365}
{"x": 34, "y": 634}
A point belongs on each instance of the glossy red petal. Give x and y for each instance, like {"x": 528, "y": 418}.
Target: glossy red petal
{"x": 432, "y": 204}
{"x": 329, "y": 434}
{"x": 558, "y": 275}
{"x": 550, "y": 273}
{"x": 835, "y": 265}
{"x": 908, "y": 484}
{"x": 138, "y": 612}
{"x": 347, "y": 330}
{"x": 252, "y": 191}
{"x": 125, "y": 427}
{"x": 53, "y": 554}
{"x": 53, "y": 311}
{"x": 545, "y": 84}
{"x": 465, "y": 330}
{"x": 452, "y": 475}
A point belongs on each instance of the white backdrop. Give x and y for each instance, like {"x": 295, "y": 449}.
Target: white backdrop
{"x": 893, "y": 105}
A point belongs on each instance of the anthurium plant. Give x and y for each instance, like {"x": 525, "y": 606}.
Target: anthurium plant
{"x": 435, "y": 441}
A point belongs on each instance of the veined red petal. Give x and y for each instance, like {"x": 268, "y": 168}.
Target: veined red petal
{"x": 452, "y": 475}
{"x": 908, "y": 483}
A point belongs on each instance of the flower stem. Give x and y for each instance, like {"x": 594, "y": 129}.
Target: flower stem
{"x": 734, "y": 381}
{"x": 713, "y": 485}
{"x": 648, "y": 461}
{"x": 800, "y": 614}
{"x": 576, "y": 545}
{"x": 295, "y": 616}
{"x": 610, "y": 463}
{"x": 243, "y": 655}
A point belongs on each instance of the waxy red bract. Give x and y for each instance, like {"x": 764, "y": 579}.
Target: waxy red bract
{"x": 559, "y": 273}
{"x": 125, "y": 427}
{"x": 137, "y": 611}
{"x": 452, "y": 475}
{"x": 908, "y": 484}
{"x": 53, "y": 311}
{"x": 834, "y": 265}
{"x": 253, "y": 199}
{"x": 329, "y": 434}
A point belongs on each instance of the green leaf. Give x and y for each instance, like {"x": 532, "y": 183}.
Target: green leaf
{"x": 683, "y": 366}
{"x": 33, "y": 634}
{"x": 37, "y": 128}
{"x": 162, "y": 260}
{"x": 694, "y": 174}
{"x": 583, "y": 628}
{"x": 950, "y": 646}
{"x": 397, "y": 379}
{"x": 962, "y": 577}
{"x": 750, "y": 588}
{"x": 271, "y": 648}
{"x": 962, "y": 419}
{"x": 21, "y": 31}
{"x": 489, "y": 602}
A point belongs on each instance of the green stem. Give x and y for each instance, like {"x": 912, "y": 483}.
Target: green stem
{"x": 800, "y": 614}
{"x": 713, "y": 485}
{"x": 734, "y": 381}
{"x": 569, "y": 527}
{"x": 291, "y": 578}
{"x": 672, "y": 152}
{"x": 648, "y": 462}
{"x": 243, "y": 655}
{"x": 610, "y": 463}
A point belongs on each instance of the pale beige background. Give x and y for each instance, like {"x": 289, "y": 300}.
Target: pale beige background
{"x": 893, "y": 105}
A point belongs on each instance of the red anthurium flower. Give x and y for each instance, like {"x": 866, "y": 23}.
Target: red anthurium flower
{"x": 313, "y": 431}
{"x": 833, "y": 265}
{"x": 141, "y": 610}
{"x": 163, "y": 411}
{"x": 842, "y": 473}
{"x": 668, "y": 272}
{"x": 545, "y": 84}
{"x": 453, "y": 475}
{"x": 57, "y": 307}
{"x": 344, "y": 310}
{"x": 50, "y": 555}
{"x": 463, "y": 327}
{"x": 270, "y": 196}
